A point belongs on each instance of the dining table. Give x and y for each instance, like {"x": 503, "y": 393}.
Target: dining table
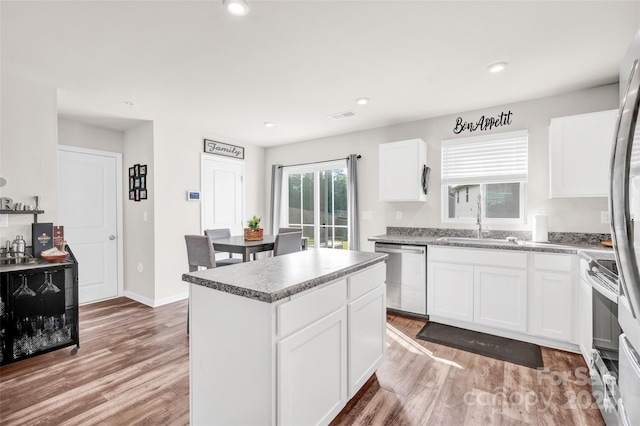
{"x": 237, "y": 244}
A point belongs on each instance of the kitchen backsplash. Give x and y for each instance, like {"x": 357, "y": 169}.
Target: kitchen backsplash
{"x": 554, "y": 237}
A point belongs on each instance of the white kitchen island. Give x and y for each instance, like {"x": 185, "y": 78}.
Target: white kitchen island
{"x": 285, "y": 340}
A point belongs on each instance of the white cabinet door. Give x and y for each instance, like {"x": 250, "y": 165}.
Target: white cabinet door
{"x": 400, "y": 167}
{"x": 551, "y": 305}
{"x": 312, "y": 372}
{"x": 450, "y": 290}
{"x": 367, "y": 337}
{"x": 579, "y": 151}
{"x": 586, "y": 321}
{"x": 500, "y": 297}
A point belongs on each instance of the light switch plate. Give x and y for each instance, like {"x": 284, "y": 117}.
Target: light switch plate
{"x": 4, "y": 220}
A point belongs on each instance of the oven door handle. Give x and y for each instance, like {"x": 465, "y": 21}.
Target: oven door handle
{"x": 598, "y": 285}
{"x": 633, "y": 360}
{"x": 622, "y": 414}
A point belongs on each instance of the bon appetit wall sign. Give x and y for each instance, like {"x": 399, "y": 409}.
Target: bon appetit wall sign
{"x": 483, "y": 123}
{"x": 219, "y": 148}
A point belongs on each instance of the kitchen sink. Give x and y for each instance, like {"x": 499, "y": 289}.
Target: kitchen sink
{"x": 483, "y": 241}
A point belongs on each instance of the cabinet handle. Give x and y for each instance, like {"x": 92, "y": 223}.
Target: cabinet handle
{"x": 112, "y": 237}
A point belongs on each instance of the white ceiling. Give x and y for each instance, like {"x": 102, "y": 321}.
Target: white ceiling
{"x": 297, "y": 62}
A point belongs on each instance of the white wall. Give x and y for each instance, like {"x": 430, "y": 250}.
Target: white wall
{"x": 28, "y": 151}
{"x": 139, "y": 237}
{"x": 83, "y": 135}
{"x": 177, "y": 152}
{"x": 565, "y": 215}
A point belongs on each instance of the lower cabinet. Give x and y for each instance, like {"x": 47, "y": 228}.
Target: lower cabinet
{"x": 312, "y": 372}
{"x": 315, "y": 376}
{"x": 450, "y": 290}
{"x": 367, "y": 337}
{"x": 532, "y": 294}
{"x": 551, "y": 313}
{"x": 476, "y": 286}
{"x": 552, "y": 296}
{"x": 292, "y": 362}
{"x": 500, "y": 298}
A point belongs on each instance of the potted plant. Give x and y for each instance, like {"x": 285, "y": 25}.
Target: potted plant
{"x": 253, "y": 232}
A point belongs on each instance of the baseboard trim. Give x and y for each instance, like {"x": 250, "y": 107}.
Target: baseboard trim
{"x": 157, "y": 302}
{"x": 542, "y": 341}
{"x": 171, "y": 299}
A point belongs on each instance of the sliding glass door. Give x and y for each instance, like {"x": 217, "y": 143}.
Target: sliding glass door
{"x": 315, "y": 200}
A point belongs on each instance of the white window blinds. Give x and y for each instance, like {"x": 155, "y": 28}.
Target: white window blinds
{"x": 492, "y": 158}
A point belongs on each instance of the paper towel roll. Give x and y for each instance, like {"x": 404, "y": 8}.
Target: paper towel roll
{"x": 540, "y": 228}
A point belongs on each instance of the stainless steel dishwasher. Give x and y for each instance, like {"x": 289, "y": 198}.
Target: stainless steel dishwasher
{"x": 406, "y": 278}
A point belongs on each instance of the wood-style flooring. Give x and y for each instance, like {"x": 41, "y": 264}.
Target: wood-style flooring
{"x": 133, "y": 368}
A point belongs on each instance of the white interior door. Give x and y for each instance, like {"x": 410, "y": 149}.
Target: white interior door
{"x": 88, "y": 203}
{"x": 222, "y": 194}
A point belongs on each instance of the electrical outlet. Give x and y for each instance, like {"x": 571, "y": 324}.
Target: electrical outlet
{"x": 605, "y": 217}
{"x": 367, "y": 215}
{"x": 399, "y": 215}
{"x": 4, "y": 220}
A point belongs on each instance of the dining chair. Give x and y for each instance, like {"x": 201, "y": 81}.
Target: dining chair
{"x": 288, "y": 242}
{"x": 222, "y": 233}
{"x": 200, "y": 252}
{"x": 287, "y": 230}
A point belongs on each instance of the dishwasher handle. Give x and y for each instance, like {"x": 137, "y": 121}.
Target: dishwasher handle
{"x": 390, "y": 248}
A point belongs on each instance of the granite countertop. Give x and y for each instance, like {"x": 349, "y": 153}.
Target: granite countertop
{"x": 275, "y": 278}
{"x": 427, "y": 240}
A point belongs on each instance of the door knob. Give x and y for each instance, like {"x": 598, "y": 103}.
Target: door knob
{"x": 112, "y": 237}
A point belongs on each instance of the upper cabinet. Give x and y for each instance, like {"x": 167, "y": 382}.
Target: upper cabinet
{"x": 579, "y": 152}
{"x": 403, "y": 172}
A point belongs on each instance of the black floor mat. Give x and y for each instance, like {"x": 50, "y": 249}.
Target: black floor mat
{"x": 509, "y": 350}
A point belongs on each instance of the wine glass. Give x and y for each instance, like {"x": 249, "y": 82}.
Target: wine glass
{"x": 48, "y": 287}
{"x": 24, "y": 290}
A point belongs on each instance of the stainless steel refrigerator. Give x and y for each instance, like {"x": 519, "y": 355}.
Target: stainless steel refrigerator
{"x": 625, "y": 214}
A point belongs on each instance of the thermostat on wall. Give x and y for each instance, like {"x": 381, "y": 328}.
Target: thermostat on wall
{"x": 193, "y": 195}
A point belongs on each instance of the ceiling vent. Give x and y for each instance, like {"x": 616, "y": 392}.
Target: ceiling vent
{"x": 341, "y": 115}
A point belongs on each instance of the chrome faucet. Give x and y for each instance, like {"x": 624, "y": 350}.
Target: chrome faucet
{"x": 479, "y": 216}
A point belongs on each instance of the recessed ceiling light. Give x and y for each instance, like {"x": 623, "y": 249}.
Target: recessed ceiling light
{"x": 362, "y": 101}
{"x": 497, "y": 67}
{"x": 236, "y": 7}
{"x": 269, "y": 124}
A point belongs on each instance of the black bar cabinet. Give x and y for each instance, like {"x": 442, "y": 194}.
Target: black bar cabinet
{"x": 38, "y": 308}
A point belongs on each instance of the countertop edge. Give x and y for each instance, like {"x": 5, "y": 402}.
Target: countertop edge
{"x": 433, "y": 241}
{"x": 286, "y": 292}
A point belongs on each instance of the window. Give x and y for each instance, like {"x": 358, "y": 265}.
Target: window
{"x": 491, "y": 171}
{"x": 314, "y": 198}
